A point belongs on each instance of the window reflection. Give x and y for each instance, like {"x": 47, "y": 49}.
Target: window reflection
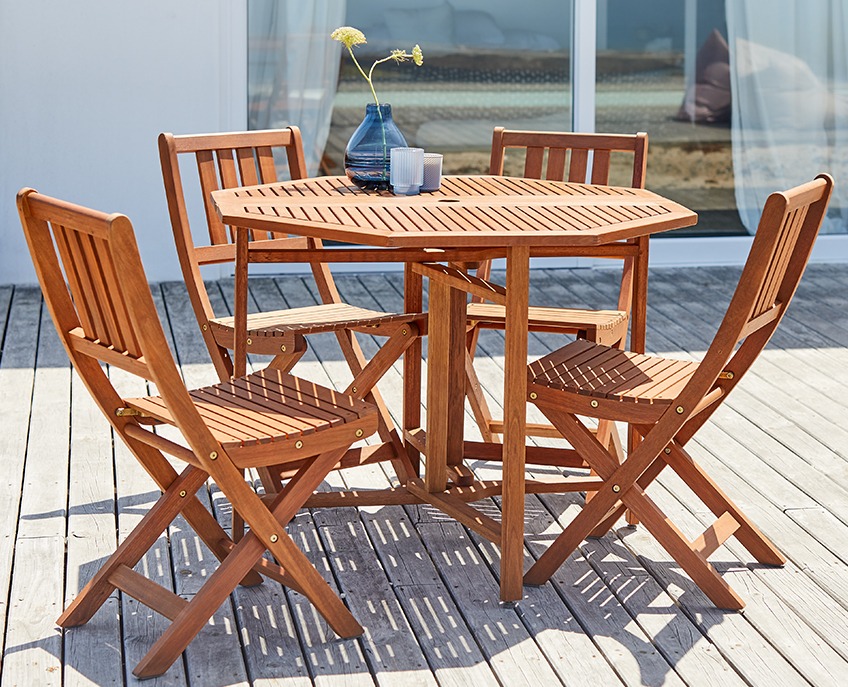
{"x": 486, "y": 64}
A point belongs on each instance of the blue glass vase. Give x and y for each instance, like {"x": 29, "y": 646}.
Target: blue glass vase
{"x": 367, "y": 156}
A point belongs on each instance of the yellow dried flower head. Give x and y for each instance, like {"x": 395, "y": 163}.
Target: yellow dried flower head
{"x": 348, "y": 36}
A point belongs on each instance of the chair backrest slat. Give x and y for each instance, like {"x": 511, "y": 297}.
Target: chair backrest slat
{"x": 533, "y": 162}
{"x": 247, "y": 167}
{"x": 601, "y": 166}
{"x": 578, "y": 165}
{"x": 265, "y": 163}
{"x": 787, "y": 236}
{"x": 89, "y": 272}
{"x": 207, "y": 171}
{"x": 556, "y": 164}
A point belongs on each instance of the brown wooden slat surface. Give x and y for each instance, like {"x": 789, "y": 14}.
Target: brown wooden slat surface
{"x": 612, "y": 373}
{"x": 465, "y": 211}
{"x": 264, "y": 407}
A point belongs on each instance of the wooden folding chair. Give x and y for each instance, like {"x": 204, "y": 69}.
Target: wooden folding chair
{"x": 228, "y": 160}
{"x": 582, "y": 158}
{"x": 667, "y": 401}
{"x": 105, "y": 314}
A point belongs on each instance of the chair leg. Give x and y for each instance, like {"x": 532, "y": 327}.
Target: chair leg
{"x": 619, "y": 488}
{"x": 607, "y": 435}
{"x": 133, "y": 548}
{"x": 757, "y": 544}
{"x": 693, "y": 563}
{"x": 656, "y": 522}
{"x": 621, "y": 509}
{"x": 364, "y": 386}
{"x": 285, "y": 362}
{"x": 244, "y": 556}
{"x": 200, "y": 519}
{"x": 477, "y": 401}
{"x": 597, "y": 511}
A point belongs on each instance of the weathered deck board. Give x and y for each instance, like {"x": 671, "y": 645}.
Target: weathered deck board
{"x": 618, "y": 612}
{"x": 40, "y": 541}
{"x": 17, "y": 376}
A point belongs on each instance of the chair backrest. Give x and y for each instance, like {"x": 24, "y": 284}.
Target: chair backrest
{"x": 779, "y": 255}
{"x": 228, "y": 160}
{"x": 90, "y": 272}
{"x": 581, "y": 158}
{"x": 572, "y": 156}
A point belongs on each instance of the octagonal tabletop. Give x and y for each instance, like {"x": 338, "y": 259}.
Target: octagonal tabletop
{"x": 467, "y": 211}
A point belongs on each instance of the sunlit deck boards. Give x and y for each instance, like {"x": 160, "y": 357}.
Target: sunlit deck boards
{"x": 423, "y": 586}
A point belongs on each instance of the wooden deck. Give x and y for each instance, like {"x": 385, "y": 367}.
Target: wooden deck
{"x": 618, "y": 613}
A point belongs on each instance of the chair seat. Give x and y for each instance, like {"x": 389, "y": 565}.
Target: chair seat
{"x": 269, "y": 411}
{"x": 311, "y": 319}
{"x": 267, "y": 331}
{"x": 599, "y": 371}
{"x": 598, "y": 325}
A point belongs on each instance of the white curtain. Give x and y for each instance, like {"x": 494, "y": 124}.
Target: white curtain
{"x": 293, "y": 68}
{"x": 789, "y": 84}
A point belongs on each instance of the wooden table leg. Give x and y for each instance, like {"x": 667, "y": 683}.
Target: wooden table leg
{"x": 445, "y": 382}
{"x": 638, "y": 330}
{"x": 515, "y": 421}
{"x": 240, "y": 305}
{"x": 639, "y": 304}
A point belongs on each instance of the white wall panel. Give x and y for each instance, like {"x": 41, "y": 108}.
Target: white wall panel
{"x": 85, "y": 89}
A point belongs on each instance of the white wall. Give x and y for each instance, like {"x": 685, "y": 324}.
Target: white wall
{"x": 85, "y": 89}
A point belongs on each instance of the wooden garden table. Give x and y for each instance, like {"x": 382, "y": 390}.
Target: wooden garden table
{"x": 437, "y": 234}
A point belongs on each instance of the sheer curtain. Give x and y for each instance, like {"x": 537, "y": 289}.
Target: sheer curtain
{"x": 789, "y": 83}
{"x": 293, "y": 68}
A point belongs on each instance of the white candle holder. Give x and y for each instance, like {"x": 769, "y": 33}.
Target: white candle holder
{"x": 406, "y": 171}
{"x": 432, "y": 172}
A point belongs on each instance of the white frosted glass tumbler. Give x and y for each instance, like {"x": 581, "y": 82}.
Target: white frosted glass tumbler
{"x": 432, "y": 172}
{"x": 407, "y": 170}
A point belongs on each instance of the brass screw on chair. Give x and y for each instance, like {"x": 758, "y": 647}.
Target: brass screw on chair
{"x": 666, "y": 450}
{"x": 616, "y": 488}
{"x": 249, "y": 341}
{"x": 353, "y": 389}
{"x": 183, "y": 493}
{"x": 359, "y": 432}
{"x": 204, "y": 327}
{"x": 274, "y": 538}
{"x": 298, "y": 444}
{"x": 593, "y": 403}
{"x": 283, "y": 348}
{"x": 679, "y": 410}
{"x": 213, "y": 455}
{"x": 533, "y": 396}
